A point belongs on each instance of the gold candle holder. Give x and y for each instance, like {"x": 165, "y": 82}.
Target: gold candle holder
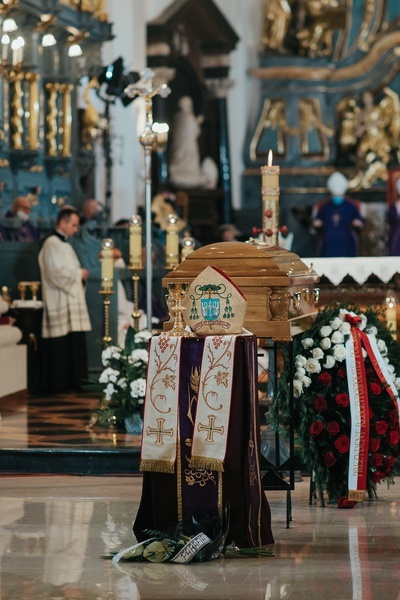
{"x": 107, "y": 339}
{"x": 22, "y": 290}
{"x": 177, "y": 292}
{"x": 34, "y": 287}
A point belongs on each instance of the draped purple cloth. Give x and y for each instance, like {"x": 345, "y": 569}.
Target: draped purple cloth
{"x": 168, "y": 498}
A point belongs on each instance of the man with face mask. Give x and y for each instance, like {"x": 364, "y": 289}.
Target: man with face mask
{"x": 21, "y": 209}
{"x": 337, "y": 221}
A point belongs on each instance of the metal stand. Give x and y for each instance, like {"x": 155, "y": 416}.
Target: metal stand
{"x": 136, "y": 311}
{"x": 277, "y": 470}
{"x": 107, "y": 339}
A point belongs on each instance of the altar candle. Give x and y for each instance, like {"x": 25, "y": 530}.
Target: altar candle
{"x": 107, "y": 264}
{"x": 391, "y": 315}
{"x": 135, "y": 242}
{"x": 270, "y": 201}
{"x": 172, "y": 246}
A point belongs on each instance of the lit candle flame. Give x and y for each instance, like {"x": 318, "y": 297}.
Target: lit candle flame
{"x": 270, "y": 158}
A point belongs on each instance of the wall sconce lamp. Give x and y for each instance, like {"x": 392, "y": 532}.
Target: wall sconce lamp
{"x": 9, "y": 26}
{"x": 48, "y": 40}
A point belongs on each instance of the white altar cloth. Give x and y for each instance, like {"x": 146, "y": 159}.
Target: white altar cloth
{"x": 359, "y": 268}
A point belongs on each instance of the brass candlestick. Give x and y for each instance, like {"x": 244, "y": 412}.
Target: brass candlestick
{"x": 177, "y": 291}
{"x": 34, "y": 287}
{"x": 136, "y": 311}
{"x": 22, "y": 290}
{"x": 107, "y": 339}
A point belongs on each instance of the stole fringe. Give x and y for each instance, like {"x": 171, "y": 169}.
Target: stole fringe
{"x": 202, "y": 462}
{"x": 157, "y": 466}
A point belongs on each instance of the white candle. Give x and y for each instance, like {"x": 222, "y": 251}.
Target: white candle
{"x": 172, "y": 247}
{"x": 135, "y": 242}
{"x": 107, "y": 264}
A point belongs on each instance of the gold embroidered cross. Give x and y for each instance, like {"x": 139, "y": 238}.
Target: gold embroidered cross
{"x": 210, "y": 428}
{"x": 160, "y": 432}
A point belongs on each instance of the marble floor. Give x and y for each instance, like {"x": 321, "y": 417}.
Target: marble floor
{"x": 54, "y": 530}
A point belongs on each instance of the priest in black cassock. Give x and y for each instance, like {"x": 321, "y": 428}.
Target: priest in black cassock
{"x": 65, "y": 314}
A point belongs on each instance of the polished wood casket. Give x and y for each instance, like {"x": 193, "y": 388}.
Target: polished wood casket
{"x": 278, "y": 286}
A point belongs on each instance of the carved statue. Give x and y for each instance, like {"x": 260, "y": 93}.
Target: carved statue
{"x": 313, "y": 131}
{"x": 185, "y": 167}
{"x": 322, "y": 18}
{"x": 276, "y": 19}
{"x": 372, "y": 131}
{"x": 91, "y": 118}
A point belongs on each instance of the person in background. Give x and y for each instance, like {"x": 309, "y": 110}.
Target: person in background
{"x": 338, "y": 221}
{"x": 3, "y": 234}
{"x": 228, "y": 233}
{"x": 65, "y": 314}
{"x": 90, "y": 209}
{"x": 21, "y": 209}
{"x": 393, "y": 217}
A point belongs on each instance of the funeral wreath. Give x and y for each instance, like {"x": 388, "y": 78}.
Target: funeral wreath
{"x": 327, "y": 395}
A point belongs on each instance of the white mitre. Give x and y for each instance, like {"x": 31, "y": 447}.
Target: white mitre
{"x": 337, "y": 184}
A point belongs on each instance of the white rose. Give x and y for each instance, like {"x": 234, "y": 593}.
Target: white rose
{"x": 307, "y": 343}
{"x": 382, "y": 347}
{"x": 300, "y": 372}
{"x": 143, "y": 336}
{"x": 390, "y": 368}
{"x": 298, "y": 388}
{"x": 325, "y": 343}
{"x": 325, "y": 331}
{"x": 372, "y": 330}
{"x": 337, "y": 337}
{"x": 336, "y": 323}
{"x": 339, "y": 352}
{"x": 364, "y": 353}
{"x": 300, "y": 361}
{"x": 108, "y": 353}
{"x": 138, "y": 388}
{"x": 317, "y": 353}
{"x": 138, "y": 355}
{"x": 313, "y": 366}
{"x": 386, "y": 360}
{"x": 342, "y": 313}
{"x": 109, "y": 391}
{"x": 109, "y": 375}
{"x": 345, "y": 328}
{"x": 363, "y": 323}
{"x": 122, "y": 383}
{"x": 306, "y": 381}
{"x": 397, "y": 383}
{"x": 329, "y": 361}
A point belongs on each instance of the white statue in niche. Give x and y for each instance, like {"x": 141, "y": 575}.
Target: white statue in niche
{"x": 185, "y": 168}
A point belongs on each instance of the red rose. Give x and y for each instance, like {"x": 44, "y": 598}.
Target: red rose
{"x": 342, "y": 444}
{"x": 393, "y": 416}
{"x": 343, "y": 399}
{"x": 377, "y": 476}
{"x": 393, "y": 438}
{"x": 381, "y": 427}
{"x": 316, "y": 428}
{"x": 333, "y": 428}
{"x": 389, "y": 462}
{"x": 375, "y": 388}
{"x": 319, "y": 403}
{"x": 329, "y": 459}
{"x": 376, "y": 459}
{"x": 341, "y": 372}
{"x": 374, "y": 444}
{"x": 325, "y": 379}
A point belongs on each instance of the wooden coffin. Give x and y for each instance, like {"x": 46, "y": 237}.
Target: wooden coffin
{"x": 279, "y": 287}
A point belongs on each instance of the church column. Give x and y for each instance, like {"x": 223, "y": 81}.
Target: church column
{"x": 216, "y": 69}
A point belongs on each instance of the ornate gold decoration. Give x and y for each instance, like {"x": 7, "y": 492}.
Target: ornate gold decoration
{"x": 273, "y": 117}
{"x": 33, "y": 127}
{"x": 323, "y": 18}
{"x": 91, "y": 117}
{"x": 177, "y": 292}
{"x": 312, "y": 126}
{"x": 279, "y": 304}
{"x": 96, "y": 7}
{"x": 371, "y": 131}
{"x": 66, "y": 89}
{"x": 51, "y": 119}
{"x": 199, "y": 476}
{"x": 17, "y": 109}
{"x": 4, "y": 163}
{"x": 45, "y": 22}
{"x": 277, "y": 15}
{"x": 5, "y": 8}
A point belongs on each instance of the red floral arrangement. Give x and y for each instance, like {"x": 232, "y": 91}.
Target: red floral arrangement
{"x": 322, "y": 401}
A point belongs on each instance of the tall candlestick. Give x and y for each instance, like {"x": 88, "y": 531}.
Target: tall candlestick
{"x": 391, "y": 315}
{"x": 107, "y": 264}
{"x": 187, "y": 246}
{"x": 135, "y": 243}
{"x": 172, "y": 247}
{"x": 270, "y": 201}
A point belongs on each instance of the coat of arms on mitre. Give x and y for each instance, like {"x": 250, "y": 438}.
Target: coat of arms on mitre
{"x": 214, "y": 304}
